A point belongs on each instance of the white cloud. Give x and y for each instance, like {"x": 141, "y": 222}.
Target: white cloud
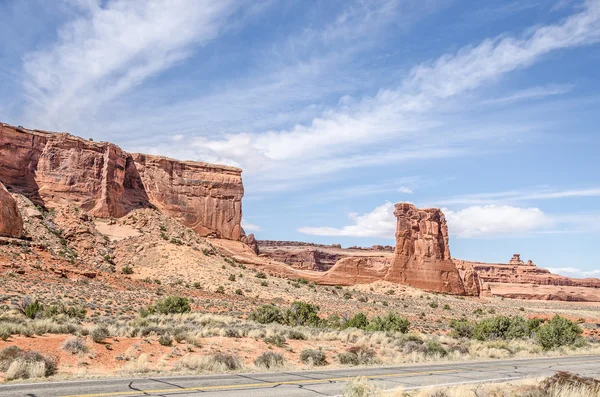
{"x": 574, "y": 272}
{"x": 469, "y": 222}
{"x": 109, "y": 49}
{"x": 177, "y": 138}
{"x": 404, "y": 189}
{"x": 400, "y": 114}
{"x": 378, "y": 223}
{"x": 250, "y": 227}
{"x": 478, "y": 221}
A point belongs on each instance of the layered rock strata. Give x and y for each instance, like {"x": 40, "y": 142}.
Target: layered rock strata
{"x": 11, "y": 223}
{"x": 52, "y": 169}
{"x": 422, "y": 256}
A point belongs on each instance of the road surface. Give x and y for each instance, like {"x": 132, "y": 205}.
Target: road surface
{"x": 307, "y": 383}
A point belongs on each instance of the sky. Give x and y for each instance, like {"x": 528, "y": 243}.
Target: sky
{"x": 336, "y": 110}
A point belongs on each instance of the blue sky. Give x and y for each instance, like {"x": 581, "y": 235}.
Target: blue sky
{"x": 337, "y": 109}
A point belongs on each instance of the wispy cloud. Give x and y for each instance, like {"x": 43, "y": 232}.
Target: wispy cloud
{"x": 532, "y": 93}
{"x": 110, "y": 48}
{"x": 398, "y": 115}
{"x": 515, "y": 196}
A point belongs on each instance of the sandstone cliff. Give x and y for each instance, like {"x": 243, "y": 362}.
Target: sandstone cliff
{"x": 422, "y": 256}
{"x": 52, "y": 169}
{"x": 11, "y": 224}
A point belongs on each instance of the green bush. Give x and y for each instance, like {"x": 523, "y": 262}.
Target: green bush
{"x": 313, "y": 357}
{"x": 261, "y": 275}
{"x": 502, "y": 327}
{"x": 173, "y": 305}
{"x": 462, "y": 328}
{"x": 30, "y": 307}
{"x": 435, "y": 348}
{"x": 359, "y": 321}
{"x": 302, "y": 313}
{"x": 267, "y": 314}
{"x": 558, "y": 332}
{"x": 126, "y": 270}
{"x": 391, "y": 322}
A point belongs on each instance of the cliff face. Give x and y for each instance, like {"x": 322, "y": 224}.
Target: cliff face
{"x": 11, "y": 223}
{"x": 422, "y": 256}
{"x": 54, "y": 168}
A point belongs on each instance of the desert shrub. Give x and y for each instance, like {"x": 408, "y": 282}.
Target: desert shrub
{"x": 434, "y": 305}
{"x": 313, "y": 357}
{"x": 267, "y": 314}
{"x": 173, "y": 305}
{"x": 74, "y": 345}
{"x": 357, "y": 355}
{"x": 563, "y": 381}
{"x": 231, "y": 277}
{"x": 348, "y": 358}
{"x": 99, "y": 333}
{"x": 359, "y": 321}
{"x": 360, "y": 387}
{"x": 269, "y": 360}
{"x": 232, "y": 333}
{"x": 165, "y": 340}
{"x": 261, "y": 275}
{"x": 77, "y": 312}
{"x": 277, "y": 340}
{"x": 296, "y": 335}
{"x": 30, "y": 307}
{"x": 229, "y": 361}
{"x": 391, "y": 322}
{"x": 127, "y": 270}
{"x": 462, "y": 328}
{"x": 557, "y": 332}
{"x": 302, "y": 313}
{"x": 434, "y": 347}
{"x": 22, "y": 364}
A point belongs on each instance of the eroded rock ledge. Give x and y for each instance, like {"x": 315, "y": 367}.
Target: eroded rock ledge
{"x": 55, "y": 168}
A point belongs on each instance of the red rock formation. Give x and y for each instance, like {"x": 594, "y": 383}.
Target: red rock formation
{"x": 422, "y": 256}
{"x": 251, "y": 242}
{"x": 11, "y": 223}
{"x": 55, "y": 168}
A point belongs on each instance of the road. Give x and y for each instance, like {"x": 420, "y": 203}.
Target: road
{"x": 307, "y": 383}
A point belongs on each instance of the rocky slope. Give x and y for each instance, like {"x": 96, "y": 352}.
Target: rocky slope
{"x": 54, "y": 169}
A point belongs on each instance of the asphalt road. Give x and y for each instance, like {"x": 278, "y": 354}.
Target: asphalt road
{"x": 307, "y": 383}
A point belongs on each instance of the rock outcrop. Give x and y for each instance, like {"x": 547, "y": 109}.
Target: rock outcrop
{"x": 251, "y": 242}
{"x": 422, "y": 256}
{"x": 52, "y": 169}
{"x": 11, "y": 223}
{"x": 524, "y": 280}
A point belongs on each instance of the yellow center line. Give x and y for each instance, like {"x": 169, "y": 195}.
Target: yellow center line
{"x": 314, "y": 381}
{"x": 262, "y": 384}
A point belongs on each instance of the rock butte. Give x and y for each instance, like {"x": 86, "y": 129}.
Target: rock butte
{"x": 422, "y": 259}
{"x": 55, "y": 168}
{"x": 11, "y": 223}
